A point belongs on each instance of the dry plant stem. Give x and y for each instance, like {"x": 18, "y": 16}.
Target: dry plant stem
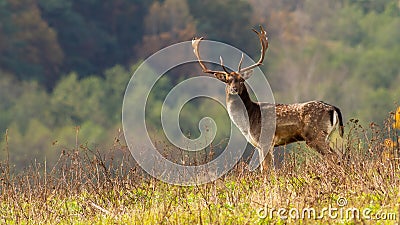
{"x": 110, "y": 186}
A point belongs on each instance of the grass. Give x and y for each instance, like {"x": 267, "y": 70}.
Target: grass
{"x": 89, "y": 187}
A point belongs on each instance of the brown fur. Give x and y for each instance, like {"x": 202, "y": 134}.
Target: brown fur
{"x": 312, "y": 122}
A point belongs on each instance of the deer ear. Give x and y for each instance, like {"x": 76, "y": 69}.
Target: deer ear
{"x": 247, "y": 74}
{"x": 221, "y": 77}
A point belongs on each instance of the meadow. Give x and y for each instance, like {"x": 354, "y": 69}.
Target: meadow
{"x": 86, "y": 186}
{"x": 64, "y": 69}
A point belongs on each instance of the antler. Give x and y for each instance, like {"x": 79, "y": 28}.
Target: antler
{"x": 262, "y": 35}
{"x": 195, "y": 45}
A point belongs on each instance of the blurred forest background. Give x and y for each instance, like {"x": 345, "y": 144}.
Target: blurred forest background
{"x": 64, "y": 64}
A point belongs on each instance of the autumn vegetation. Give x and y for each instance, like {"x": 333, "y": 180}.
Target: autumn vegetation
{"x": 64, "y": 67}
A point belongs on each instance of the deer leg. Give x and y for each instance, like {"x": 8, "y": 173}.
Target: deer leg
{"x": 322, "y": 146}
{"x": 318, "y": 141}
{"x": 268, "y": 162}
{"x": 261, "y": 158}
{"x": 264, "y": 161}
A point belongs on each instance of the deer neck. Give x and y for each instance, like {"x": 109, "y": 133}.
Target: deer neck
{"x": 240, "y": 109}
{"x": 237, "y": 101}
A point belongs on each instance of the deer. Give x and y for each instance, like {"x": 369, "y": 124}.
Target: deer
{"x": 312, "y": 121}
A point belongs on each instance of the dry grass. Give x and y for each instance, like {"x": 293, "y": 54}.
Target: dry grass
{"x": 88, "y": 187}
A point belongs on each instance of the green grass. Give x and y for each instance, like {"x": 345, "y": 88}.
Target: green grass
{"x": 86, "y": 187}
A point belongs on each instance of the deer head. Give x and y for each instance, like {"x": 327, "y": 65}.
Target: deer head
{"x": 235, "y": 79}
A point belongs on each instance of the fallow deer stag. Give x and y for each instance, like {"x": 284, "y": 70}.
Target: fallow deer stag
{"x": 312, "y": 122}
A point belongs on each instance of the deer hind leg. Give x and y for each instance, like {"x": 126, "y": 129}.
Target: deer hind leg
{"x": 319, "y": 141}
{"x": 321, "y": 144}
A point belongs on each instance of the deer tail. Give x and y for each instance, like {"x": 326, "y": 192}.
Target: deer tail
{"x": 337, "y": 120}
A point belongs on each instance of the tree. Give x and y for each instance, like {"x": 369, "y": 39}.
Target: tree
{"x": 75, "y": 101}
{"x": 95, "y": 35}
{"x": 32, "y": 47}
{"x": 228, "y": 21}
{"x": 166, "y": 23}
{"x": 9, "y": 92}
{"x": 115, "y": 83}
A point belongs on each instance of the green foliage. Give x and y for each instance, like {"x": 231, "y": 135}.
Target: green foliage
{"x": 77, "y": 101}
{"x": 349, "y": 56}
{"x": 371, "y": 6}
{"x": 116, "y": 80}
{"x": 227, "y": 21}
{"x": 40, "y": 124}
{"x": 95, "y": 35}
{"x": 8, "y": 95}
{"x": 347, "y": 26}
{"x": 29, "y": 145}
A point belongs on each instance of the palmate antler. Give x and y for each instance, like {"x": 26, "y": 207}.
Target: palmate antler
{"x": 195, "y": 45}
{"x": 262, "y": 35}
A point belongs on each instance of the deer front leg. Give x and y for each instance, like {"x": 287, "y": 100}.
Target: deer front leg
{"x": 266, "y": 162}
{"x": 260, "y": 158}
